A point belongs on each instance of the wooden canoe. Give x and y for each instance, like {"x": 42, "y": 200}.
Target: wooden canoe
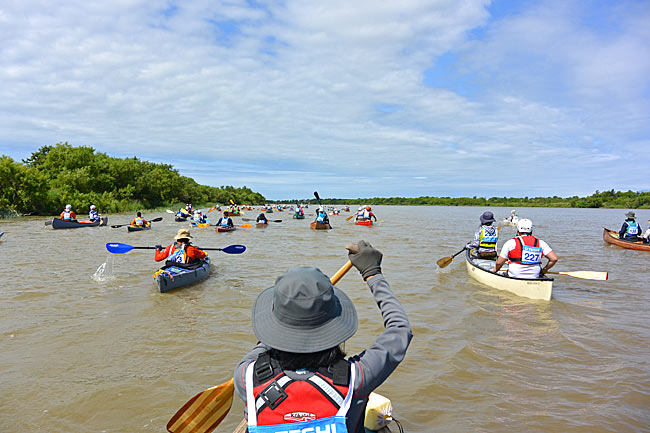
{"x": 611, "y": 237}
{"x": 320, "y": 226}
{"x": 481, "y": 271}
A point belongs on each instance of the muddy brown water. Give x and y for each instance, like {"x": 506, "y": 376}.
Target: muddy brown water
{"x": 105, "y": 352}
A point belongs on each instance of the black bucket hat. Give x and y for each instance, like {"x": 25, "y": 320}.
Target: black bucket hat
{"x": 303, "y": 313}
{"x": 487, "y": 217}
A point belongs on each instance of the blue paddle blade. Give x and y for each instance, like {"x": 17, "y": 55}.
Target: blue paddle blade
{"x": 118, "y": 248}
{"x": 234, "y": 249}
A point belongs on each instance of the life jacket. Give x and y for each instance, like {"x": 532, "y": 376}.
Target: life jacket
{"x": 67, "y": 215}
{"x": 279, "y": 404}
{"x": 632, "y": 229}
{"x": 197, "y": 218}
{"x": 224, "y": 222}
{"x": 527, "y": 251}
{"x": 139, "y": 221}
{"x": 93, "y": 215}
{"x": 488, "y": 237}
{"x": 321, "y": 217}
{"x": 366, "y": 214}
{"x": 179, "y": 256}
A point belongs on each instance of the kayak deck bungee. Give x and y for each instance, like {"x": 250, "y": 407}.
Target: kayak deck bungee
{"x": 481, "y": 271}
{"x": 611, "y": 237}
{"x": 136, "y": 228}
{"x": 58, "y": 223}
{"x": 176, "y": 276}
{"x": 367, "y": 223}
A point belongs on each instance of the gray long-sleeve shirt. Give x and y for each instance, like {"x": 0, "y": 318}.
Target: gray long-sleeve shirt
{"x": 373, "y": 365}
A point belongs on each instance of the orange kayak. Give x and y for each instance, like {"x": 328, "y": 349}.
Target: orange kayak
{"x": 367, "y": 223}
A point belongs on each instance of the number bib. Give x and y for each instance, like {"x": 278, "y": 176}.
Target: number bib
{"x": 531, "y": 255}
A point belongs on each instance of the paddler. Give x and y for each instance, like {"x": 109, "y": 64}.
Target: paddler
{"x": 322, "y": 217}
{"x": 93, "y": 215}
{"x": 359, "y": 215}
{"x": 198, "y": 217}
{"x": 525, "y": 253}
{"x": 298, "y": 375}
{"x": 139, "y": 220}
{"x": 261, "y": 219}
{"x": 646, "y": 235}
{"x": 225, "y": 221}
{"x": 485, "y": 237}
{"x": 368, "y": 215}
{"x": 68, "y": 214}
{"x": 513, "y": 216}
{"x": 631, "y": 229}
{"x": 180, "y": 251}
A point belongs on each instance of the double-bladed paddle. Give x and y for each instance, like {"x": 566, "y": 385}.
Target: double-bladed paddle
{"x": 445, "y": 261}
{"x": 202, "y": 225}
{"x": 271, "y": 221}
{"x": 119, "y": 248}
{"x": 155, "y": 220}
{"x": 203, "y": 412}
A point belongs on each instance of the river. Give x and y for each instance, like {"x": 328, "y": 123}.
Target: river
{"x": 103, "y": 351}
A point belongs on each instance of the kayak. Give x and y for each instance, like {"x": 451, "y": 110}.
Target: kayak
{"x": 181, "y": 275}
{"x": 135, "y": 228}
{"x": 367, "y": 223}
{"x": 261, "y": 225}
{"x": 506, "y": 222}
{"x": 611, "y": 237}
{"x": 223, "y": 229}
{"x": 180, "y": 219}
{"x": 60, "y": 224}
{"x": 269, "y": 211}
{"x": 298, "y": 217}
{"x": 320, "y": 226}
{"x": 232, "y": 214}
{"x": 193, "y": 224}
{"x": 481, "y": 271}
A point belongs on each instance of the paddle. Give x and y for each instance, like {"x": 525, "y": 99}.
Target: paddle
{"x": 585, "y": 275}
{"x": 351, "y": 216}
{"x": 445, "y": 261}
{"x": 271, "y": 221}
{"x": 170, "y": 211}
{"x": 119, "y": 248}
{"x": 244, "y": 226}
{"x": 155, "y": 220}
{"x": 203, "y": 412}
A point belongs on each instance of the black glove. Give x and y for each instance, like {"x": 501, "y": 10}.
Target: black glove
{"x": 367, "y": 260}
{"x": 158, "y": 247}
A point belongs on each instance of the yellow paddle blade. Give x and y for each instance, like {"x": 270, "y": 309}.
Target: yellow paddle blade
{"x": 585, "y": 275}
{"x": 444, "y": 262}
{"x": 203, "y": 412}
{"x": 202, "y": 226}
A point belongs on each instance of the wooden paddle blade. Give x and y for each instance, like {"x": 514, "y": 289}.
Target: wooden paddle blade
{"x": 350, "y": 217}
{"x": 444, "y": 262}
{"x": 205, "y": 411}
{"x": 585, "y": 275}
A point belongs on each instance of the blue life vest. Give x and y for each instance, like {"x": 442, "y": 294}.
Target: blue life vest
{"x": 321, "y": 217}
{"x": 632, "y": 229}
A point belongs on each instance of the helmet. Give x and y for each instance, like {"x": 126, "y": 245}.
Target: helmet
{"x": 92, "y": 206}
{"x": 513, "y": 211}
{"x": 68, "y": 206}
{"x": 525, "y": 226}
{"x": 367, "y": 207}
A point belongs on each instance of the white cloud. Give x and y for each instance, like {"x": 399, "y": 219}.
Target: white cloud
{"x": 290, "y": 91}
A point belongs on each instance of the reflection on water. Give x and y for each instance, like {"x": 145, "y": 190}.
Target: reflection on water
{"x": 125, "y": 358}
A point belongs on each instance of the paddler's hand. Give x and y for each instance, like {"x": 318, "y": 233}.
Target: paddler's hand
{"x": 158, "y": 247}
{"x": 365, "y": 258}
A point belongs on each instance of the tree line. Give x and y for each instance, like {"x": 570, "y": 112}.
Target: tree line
{"x": 62, "y": 174}
{"x": 604, "y": 199}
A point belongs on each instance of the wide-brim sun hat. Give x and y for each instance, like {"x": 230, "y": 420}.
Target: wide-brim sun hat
{"x": 487, "y": 217}
{"x": 303, "y": 313}
{"x": 630, "y": 214}
{"x": 183, "y": 234}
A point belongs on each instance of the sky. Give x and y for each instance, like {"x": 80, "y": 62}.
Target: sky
{"x": 350, "y": 98}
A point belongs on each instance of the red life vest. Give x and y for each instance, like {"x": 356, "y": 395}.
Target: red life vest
{"x": 515, "y": 254}
{"x": 280, "y": 399}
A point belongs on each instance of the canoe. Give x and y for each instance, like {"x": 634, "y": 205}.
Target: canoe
{"x": 320, "y": 226}
{"x": 177, "y": 276}
{"x": 60, "y": 224}
{"x": 134, "y": 228}
{"x": 611, "y": 237}
{"x": 298, "y": 217}
{"x": 367, "y": 223}
{"x": 505, "y": 222}
{"x": 481, "y": 271}
{"x": 223, "y": 229}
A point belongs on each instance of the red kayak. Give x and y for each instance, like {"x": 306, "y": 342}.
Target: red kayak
{"x": 222, "y": 229}
{"x": 367, "y": 223}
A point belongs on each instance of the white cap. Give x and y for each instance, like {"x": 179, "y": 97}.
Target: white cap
{"x": 92, "y": 206}
{"x": 525, "y": 226}
{"x": 68, "y": 206}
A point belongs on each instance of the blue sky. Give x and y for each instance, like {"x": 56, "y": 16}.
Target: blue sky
{"x": 353, "y": 99}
